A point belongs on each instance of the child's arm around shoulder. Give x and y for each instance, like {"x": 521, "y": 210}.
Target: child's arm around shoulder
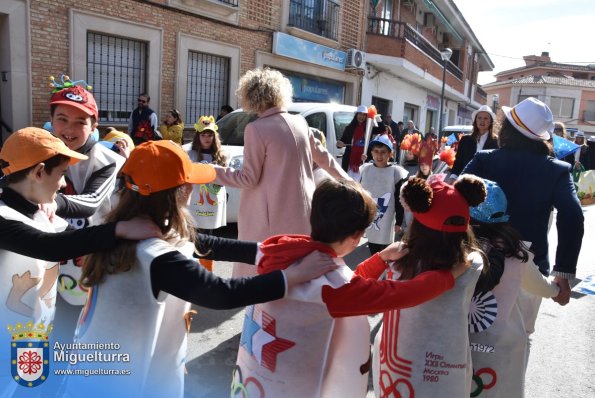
{"x": 174, "y": 273}
{"x": 363, "y": 296}
{"x": 374, "y": 266}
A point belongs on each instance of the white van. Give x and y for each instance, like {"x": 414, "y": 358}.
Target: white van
{"x": 457, "y": 129}
{"x": 329, "y": 118}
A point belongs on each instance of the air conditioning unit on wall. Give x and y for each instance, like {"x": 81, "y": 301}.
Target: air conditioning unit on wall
{"x": 356, "y": 59}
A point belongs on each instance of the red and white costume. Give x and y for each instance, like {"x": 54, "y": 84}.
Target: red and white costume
{"x": 301, "y": 346}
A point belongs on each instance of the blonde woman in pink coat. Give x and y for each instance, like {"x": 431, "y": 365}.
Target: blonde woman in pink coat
{"x": 276, "y": 178}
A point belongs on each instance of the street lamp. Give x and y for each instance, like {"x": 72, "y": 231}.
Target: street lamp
{"x": 445, "y": 55}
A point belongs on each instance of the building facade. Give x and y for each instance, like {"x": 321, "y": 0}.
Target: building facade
{"x": 185, "y": 54}
{"x": 569, "y": 90}
{"x": 404, "y": 68}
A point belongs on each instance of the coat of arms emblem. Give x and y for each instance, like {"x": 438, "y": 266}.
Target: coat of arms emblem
{"x": 30, "y": 353}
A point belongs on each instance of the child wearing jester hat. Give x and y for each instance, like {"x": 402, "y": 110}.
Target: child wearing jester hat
{"x": 424, "y": 351}
{"x": 315, "y": 342}
{"x": 89, "y": 183}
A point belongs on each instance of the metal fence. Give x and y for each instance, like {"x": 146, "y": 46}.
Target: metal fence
{"x": 402, "y": 30}
{"x": 317, "y": 16}
{"x": 208, "y": 85}
{"x": 116, "y": 68}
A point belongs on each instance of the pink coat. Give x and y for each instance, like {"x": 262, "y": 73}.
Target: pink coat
{"x": 276, "y": 178}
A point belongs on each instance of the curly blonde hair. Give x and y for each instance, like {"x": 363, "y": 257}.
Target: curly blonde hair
{"x": 263, "y": 88}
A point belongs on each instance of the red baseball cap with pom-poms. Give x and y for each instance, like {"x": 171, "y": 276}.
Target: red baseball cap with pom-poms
{"x": 447, "y": 202}
{"x": 445, "y": 208}
{"x": 75, "y": 94}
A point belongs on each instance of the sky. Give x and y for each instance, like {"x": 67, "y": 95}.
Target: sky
{"x": 510, "y": 29}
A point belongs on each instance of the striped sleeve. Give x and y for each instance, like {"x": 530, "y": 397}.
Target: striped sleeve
{"x": 99, "y": 186}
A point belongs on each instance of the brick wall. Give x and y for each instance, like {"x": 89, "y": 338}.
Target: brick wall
{"x": 407, "y": 14}
{"x": 503, "y": 92}
{"x": 258, "y": 19}
{"x": 353, "y": 23}
{"x": 50, "y": 37}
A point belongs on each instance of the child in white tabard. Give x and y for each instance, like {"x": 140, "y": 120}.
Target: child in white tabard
{"x": 90, "y": 183}
{"x": 140, "y": 294}
{"x": 316, "y": 343}
{"x": 424, "y": 351}
{"x": 33, "y": 164}
{"x": 208, "y": 204}
{"x": 498, "y": 339}
{"x": 381, "y": 178}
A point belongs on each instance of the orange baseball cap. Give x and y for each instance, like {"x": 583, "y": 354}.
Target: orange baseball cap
{"x": 155, "y": 166}
{"x": 30, "y": 146}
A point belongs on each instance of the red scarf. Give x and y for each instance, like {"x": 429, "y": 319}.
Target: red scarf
{"x": 357, "y": 147}
{"x": 280, "y": 251}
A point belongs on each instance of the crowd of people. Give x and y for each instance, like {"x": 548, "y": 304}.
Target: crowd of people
{"x": 123, "y": 228}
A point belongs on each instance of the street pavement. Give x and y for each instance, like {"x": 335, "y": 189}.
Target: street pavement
{"x": 560, "y": 364}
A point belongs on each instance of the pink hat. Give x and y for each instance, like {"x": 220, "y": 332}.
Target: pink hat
{"x": 532, "y": 118}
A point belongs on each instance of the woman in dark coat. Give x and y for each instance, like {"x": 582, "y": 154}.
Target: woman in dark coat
{"x": 353, "y": 139}
{"x": 482, "y": 137}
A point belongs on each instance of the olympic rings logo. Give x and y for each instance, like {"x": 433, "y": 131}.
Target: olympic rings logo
{"x": 477, "y": 378}
{"x": 238, "y": 386}
{"x": 390, "y": 388}
{"x": 67, "y": 283}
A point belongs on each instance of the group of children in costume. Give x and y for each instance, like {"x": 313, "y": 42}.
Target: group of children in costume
{"x": 304, "y": 333}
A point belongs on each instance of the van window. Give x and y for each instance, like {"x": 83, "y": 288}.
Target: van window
{"x": 342, "y": 119}
{"x": 231, "y": 127}
{"x": 318, "y": 121}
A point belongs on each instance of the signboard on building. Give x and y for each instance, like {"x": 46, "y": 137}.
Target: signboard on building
{"x": 316, "y": 90}
{"x": 307, "y": 51}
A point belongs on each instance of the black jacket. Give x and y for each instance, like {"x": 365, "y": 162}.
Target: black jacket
{"x": 466, "y": 150}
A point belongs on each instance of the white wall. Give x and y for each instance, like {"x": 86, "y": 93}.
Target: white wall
{"x": 399, "y": 92}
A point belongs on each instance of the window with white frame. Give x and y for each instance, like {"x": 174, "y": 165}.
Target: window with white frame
{"x": 384, "y": 11}
{"x": 120, "y": 59}
{"x": 207, "y": 84}
{"x": 116, "y": 68}
{"x": 562, "y": 106}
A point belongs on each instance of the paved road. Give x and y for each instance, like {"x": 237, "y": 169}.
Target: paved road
{"x": 560, "y": 366}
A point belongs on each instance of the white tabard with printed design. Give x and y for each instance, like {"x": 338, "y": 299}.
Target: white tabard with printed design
{"x": 497, "y": 332}
{"x": 381, "y": 182}
{"x": 293, "y": 348}
{"x": 208, "y": 203}
{"x": 424, "y": 351}
{"x": 28, "y": 290}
